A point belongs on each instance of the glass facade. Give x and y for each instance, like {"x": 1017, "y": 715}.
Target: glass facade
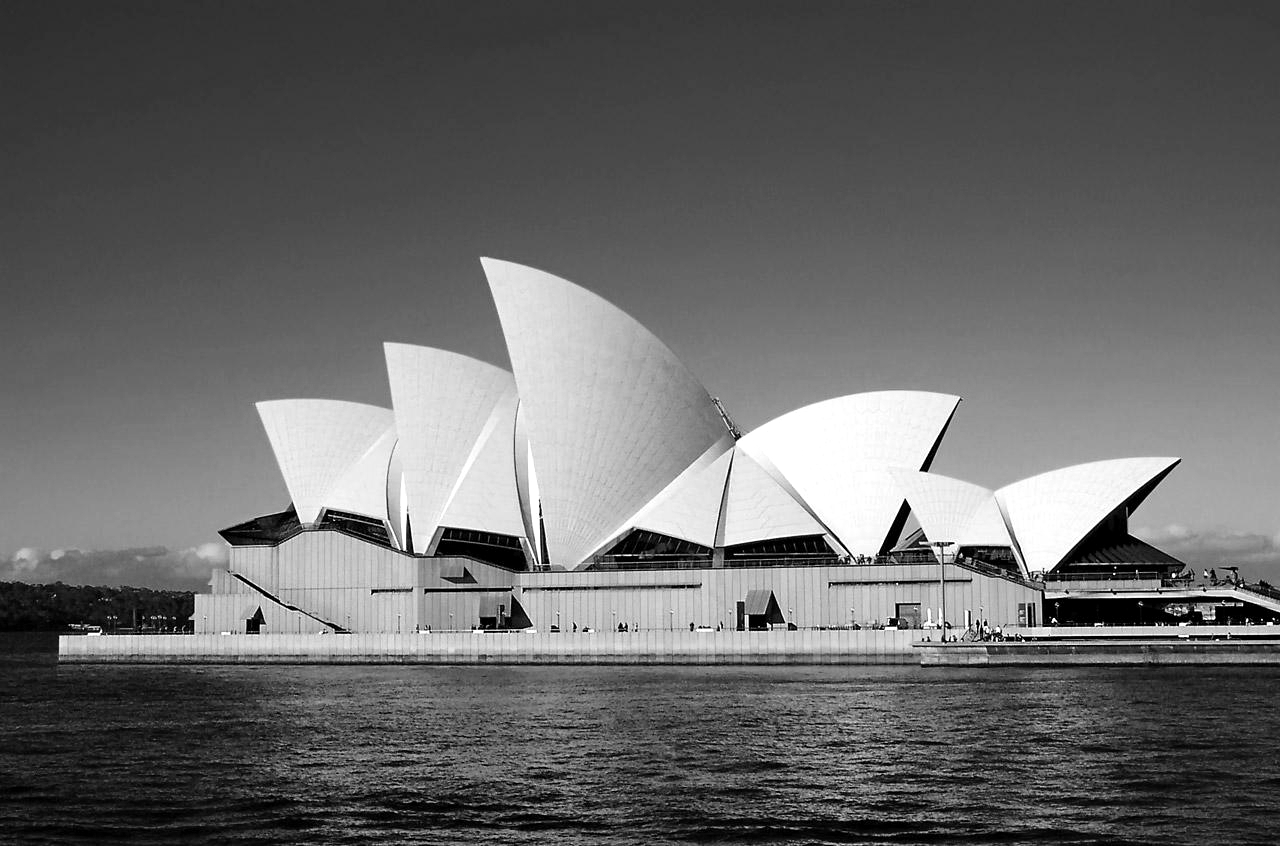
{"x": 802, "y": 549}
{"x": 503, "y": 551}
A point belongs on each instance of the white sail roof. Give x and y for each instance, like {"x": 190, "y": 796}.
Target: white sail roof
{"x": 952, "y": 510}
{"x": 527, "y": 484}
{"x": 316, "y": 442}
{"x": 1052, "y": 512}
{"x": 612, "y": 415}
{"x": 487, "y": 498}
{"x": 987, "y": 527}
{"x": 363, "y": 487}
{"x": 690, "y": 506}
{"x": 397, "y": 499}
{"x": 835, "y": 456}
{"x": 443, "y": 402}
{"x": 758, "y": 508}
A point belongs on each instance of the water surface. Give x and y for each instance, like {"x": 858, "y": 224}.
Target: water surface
{"x": 613, "y": 755}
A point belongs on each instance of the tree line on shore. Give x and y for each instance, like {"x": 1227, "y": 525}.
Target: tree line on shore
{"x": 57, "y": 607}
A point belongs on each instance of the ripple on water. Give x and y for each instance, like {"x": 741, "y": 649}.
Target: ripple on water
{"x": 635, "y": 755}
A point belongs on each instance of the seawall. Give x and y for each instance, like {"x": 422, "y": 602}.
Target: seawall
{"x": 1046, "y": 646}
{"x": 645, "y": 647}
{"x": 1110, "y": 651}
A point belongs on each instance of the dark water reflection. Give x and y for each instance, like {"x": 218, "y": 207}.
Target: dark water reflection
{"x": 636, "y": 755}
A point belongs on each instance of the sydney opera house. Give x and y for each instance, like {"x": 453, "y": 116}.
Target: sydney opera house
{"x": 598, "y": 485}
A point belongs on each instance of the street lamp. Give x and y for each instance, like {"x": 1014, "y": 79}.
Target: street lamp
{"x": 671, "y": 624}
{"x": 614, "y": 612}
{"x": 941, "y": 546}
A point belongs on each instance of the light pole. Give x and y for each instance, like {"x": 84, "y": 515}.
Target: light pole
{"x": 557, "y": 621}
{"x": 450, "y": 621}
{"x": 791, "y": 618}
{"x": 941, "y": 546}
{"x": 671, "y": 623}
{"x": 614, "y": 612}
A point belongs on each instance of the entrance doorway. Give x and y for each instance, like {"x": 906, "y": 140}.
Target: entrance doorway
{"x": 253, "y": 623}
{"x": 908, "y": 614}
{"x": 763, "y": 611}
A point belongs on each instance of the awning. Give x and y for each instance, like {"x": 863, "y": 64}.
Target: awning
{"x": 762, "y": 603}
{"x": 758, "y": 601}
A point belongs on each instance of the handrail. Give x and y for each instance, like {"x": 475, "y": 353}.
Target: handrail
{"x": 985, "y": 569}
{"x": 1107, "y": 576}
{"x": 278, "y": 601}
{"x": 1268, "y": 592}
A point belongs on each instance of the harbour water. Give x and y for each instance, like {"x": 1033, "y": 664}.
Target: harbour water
{"x": 622, "y": 755}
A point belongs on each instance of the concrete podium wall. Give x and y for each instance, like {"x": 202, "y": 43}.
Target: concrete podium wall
{"x": 646, "y": 647}
{"x": 357, "y": 585}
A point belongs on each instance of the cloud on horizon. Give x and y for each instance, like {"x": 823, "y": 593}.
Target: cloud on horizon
{"x": 153, "y": 567}
{"x": 1257, "y": 554}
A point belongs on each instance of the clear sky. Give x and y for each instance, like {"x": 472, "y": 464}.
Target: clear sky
{"x": 1067, "y": 213}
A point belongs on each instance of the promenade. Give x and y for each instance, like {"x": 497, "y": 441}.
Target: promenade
{"x": 884, "y": 646}
{"x": 1039, "y": 645}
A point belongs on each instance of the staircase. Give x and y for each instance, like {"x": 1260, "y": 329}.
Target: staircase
{"x": 278, "y": 601}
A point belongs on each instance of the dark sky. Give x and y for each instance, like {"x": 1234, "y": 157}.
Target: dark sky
{"x": 1069, "y": 214}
